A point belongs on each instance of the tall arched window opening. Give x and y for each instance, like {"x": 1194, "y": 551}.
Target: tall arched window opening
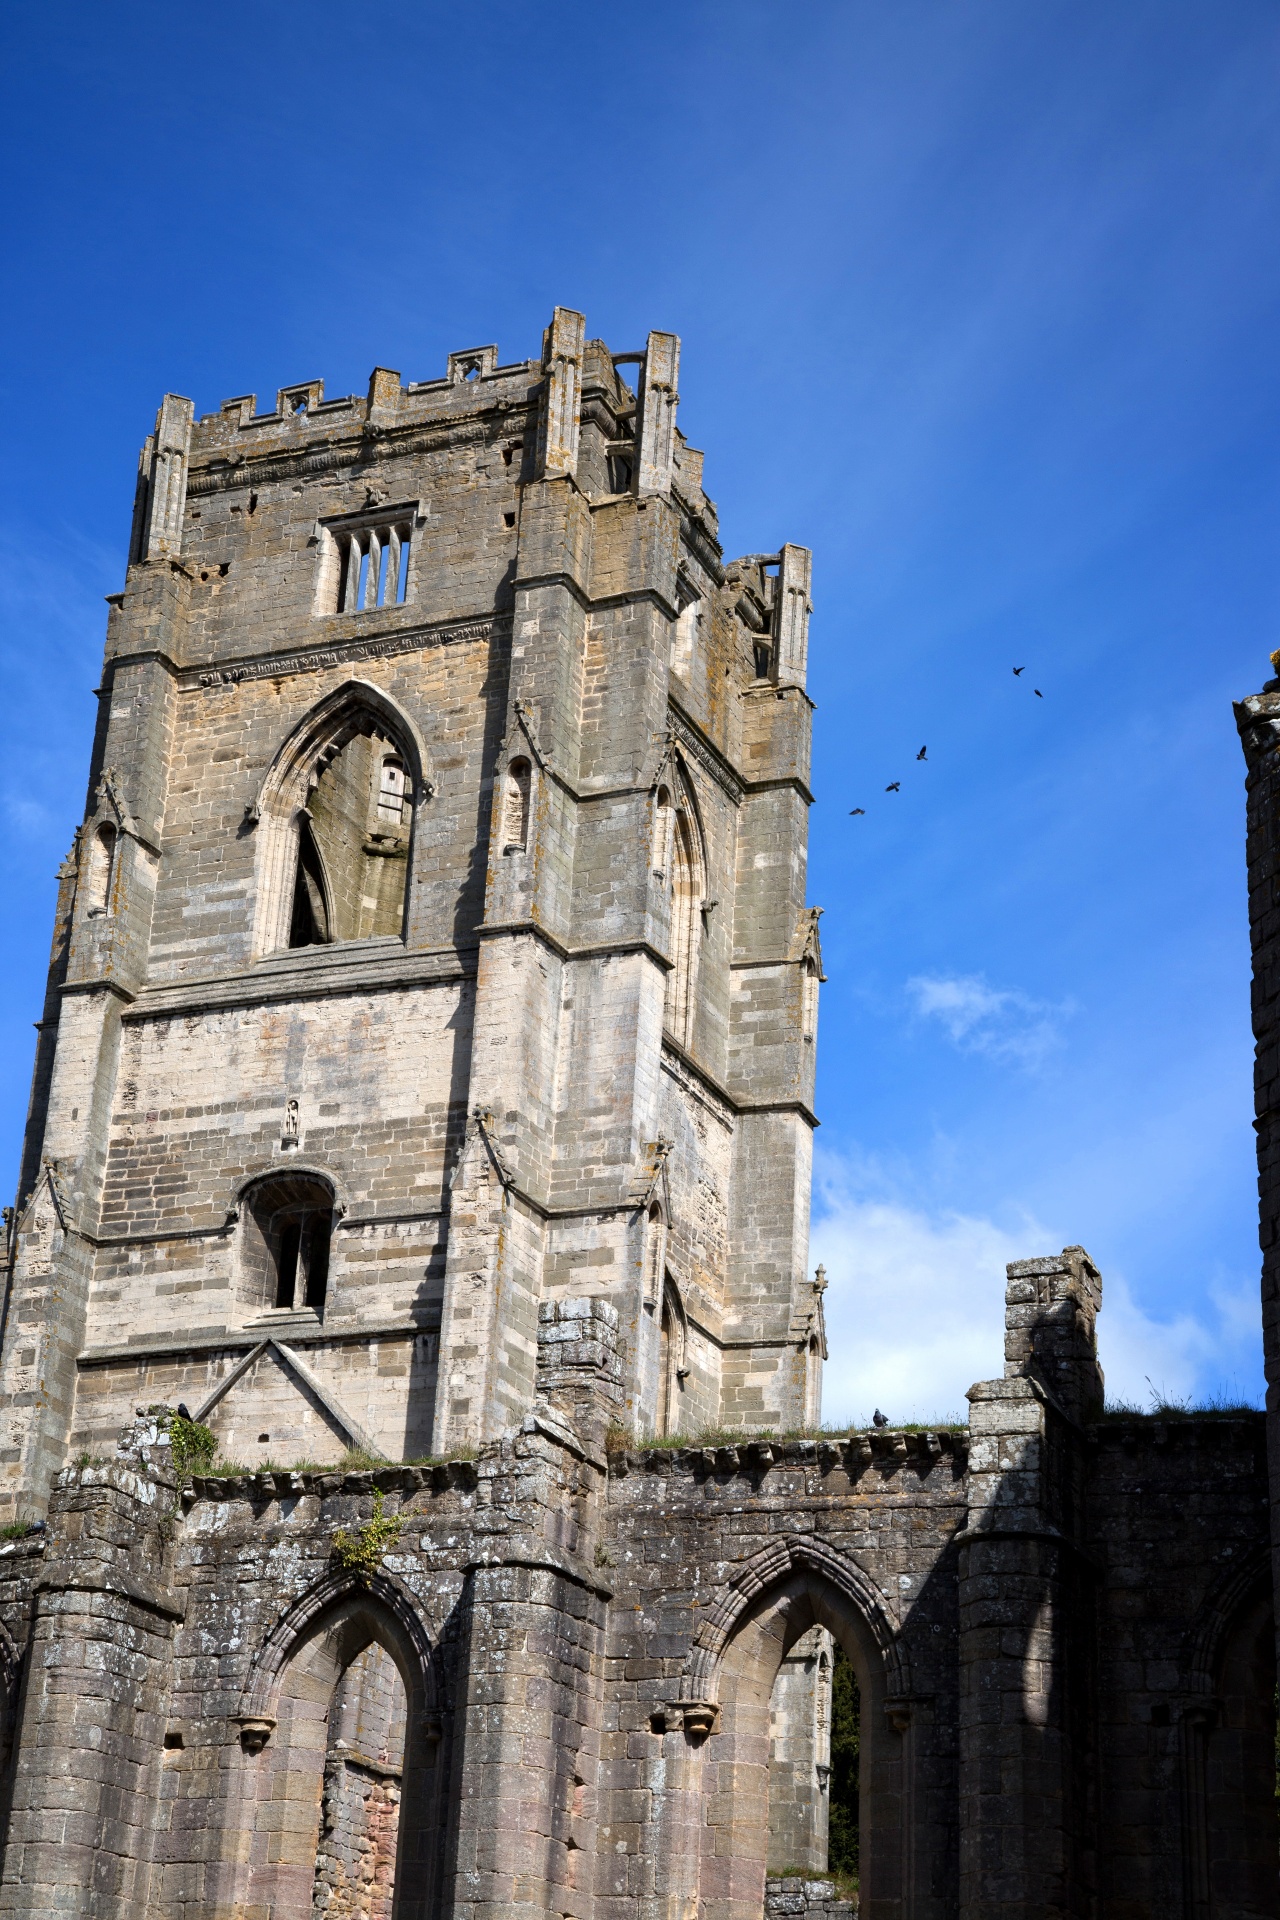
{"x": 516, "y": 794}
{"x": 288, "y": 1224}
{"x": 687, "y": 892}
{"x": 102, "y": 860}
{"x": 779, "y": 1706}
{"x": 352, "y": 855}
{"x": 360, "y": 1802}
{"x": 350, "y": 1755}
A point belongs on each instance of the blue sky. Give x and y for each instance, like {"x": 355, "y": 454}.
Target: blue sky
{"x": 979, "y": 301}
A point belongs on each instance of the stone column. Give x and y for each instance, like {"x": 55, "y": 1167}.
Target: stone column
{"x": 1024, "y": 1605}
{"x": 92, "y": 1720}
{"x": 531, "y": 1701}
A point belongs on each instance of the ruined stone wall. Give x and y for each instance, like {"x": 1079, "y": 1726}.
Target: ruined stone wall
{"x": 588, "y": 1647}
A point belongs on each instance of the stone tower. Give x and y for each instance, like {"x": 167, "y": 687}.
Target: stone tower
{"x": 423, "y": 1099}
{"x": 434, "y": 952}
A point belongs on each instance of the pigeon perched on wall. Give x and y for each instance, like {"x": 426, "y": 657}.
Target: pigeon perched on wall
{"x": 879, "y": 1419}
{"x": 183, "y": 1410}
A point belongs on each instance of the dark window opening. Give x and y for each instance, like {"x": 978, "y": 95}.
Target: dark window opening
{"x": 253, "y": 503}
{"x": 287, "y": 1263}
{"x": 309, "y": 921}
{"x": 288, "y": 1224}
{"x": 764, "y": 659}
{"x": 508, "y": 519}
{"x": 619, "y": 473}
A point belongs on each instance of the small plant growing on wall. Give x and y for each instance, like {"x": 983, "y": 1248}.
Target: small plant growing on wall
{"x": 359, "y": 1550}
{"x": 192, "y": 1446}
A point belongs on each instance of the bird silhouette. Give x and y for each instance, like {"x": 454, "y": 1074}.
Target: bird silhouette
{"x": 1019, "y": 669}
{"x": 894, "y": 786}
{"x": 923, "y": 754}
{"x": 879, "y": 1419}
{"x": 184, "y": 1412}
{"x": 854, "y": 810}
{"x": 1037, "y": 693}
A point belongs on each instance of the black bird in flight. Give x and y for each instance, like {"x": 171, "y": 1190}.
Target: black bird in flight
{"x": 894, "y": 786}
{"x": 879, "y": 1419}
{"x": 1037, "y": 693}
{"x": 1019, "y": 669}
{"x": 854, "y": 810}
{"x": 923, "y": 754}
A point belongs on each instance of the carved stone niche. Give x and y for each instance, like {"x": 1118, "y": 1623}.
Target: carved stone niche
{"x": 255, "y": 1731}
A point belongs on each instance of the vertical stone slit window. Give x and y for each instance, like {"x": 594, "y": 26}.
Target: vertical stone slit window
{"x": 684, "y": 845}
{"x": 373, "y": 566}
{"x": 517, "y": 788}
{"x": 102, "y": 859}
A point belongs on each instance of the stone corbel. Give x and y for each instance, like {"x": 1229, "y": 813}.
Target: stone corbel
{"x": 694, "y": 1718}
{"x": 255, "y": 1730}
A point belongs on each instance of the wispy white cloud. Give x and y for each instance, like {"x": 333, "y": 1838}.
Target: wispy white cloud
{"x": 997, "y": 1021}
{"x": 915, "y": 1306}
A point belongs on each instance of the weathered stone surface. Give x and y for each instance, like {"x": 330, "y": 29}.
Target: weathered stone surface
{"x": 424, "y": 1100}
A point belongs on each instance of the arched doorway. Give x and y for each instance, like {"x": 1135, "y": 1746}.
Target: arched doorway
{"x": 340, "y": 1762}
{"x": 816, "y": 1607}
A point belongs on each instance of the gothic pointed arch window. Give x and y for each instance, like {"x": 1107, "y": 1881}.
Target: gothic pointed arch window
{"x": 336, "y": 818}
{"x": 683, "y": 866}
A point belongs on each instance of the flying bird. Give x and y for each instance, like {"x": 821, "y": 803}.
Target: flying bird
{"x": 1019, "y": 669}
{"x": 1037, "y": 693}
{"x": 923, "y": 754}
{"x": 879, "y": 1419}
{"x": 894, "y": 786}
{"x": 854, "y": 810}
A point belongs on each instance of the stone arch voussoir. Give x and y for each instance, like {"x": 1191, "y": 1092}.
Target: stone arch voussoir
{"x": 775, "y": 1564}
{"x": 1217, "y": 1615}
{"x": 331, "y": 722}
{"x": 384, "y": 1596}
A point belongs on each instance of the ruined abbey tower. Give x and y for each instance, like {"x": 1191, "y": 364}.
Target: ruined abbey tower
{"x": 423, "y": 1105}
{"x": 435, "y": 951}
